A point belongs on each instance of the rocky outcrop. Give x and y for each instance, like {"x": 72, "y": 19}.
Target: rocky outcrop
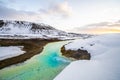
{"x": 31, "y": 46}
{"x": 1, "y": 23}
{"x": 76, "y": 54}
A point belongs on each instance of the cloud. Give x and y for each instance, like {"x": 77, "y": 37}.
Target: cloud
{"x": 61, "y": 10}
{"x": 58, "y": 9}
{"x": 104, "y": 24}
{"x": 9, "y": 13}
{"x": 98, "y": 28}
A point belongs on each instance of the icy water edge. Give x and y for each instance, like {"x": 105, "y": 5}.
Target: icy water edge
{"x": 44, "y": 66}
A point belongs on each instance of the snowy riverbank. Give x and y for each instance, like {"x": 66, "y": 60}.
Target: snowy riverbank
{"x": 10, "y": 51}
{"x": 9, "y": 54}
{"x": 104, "y": 63}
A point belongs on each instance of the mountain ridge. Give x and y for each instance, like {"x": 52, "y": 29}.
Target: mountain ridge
{"x": 24, "y": 29}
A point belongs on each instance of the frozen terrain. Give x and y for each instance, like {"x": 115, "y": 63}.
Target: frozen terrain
{"x": 104, "y": 63}
{"x": 26, "y": 30}
{"x": 10, "y": 51}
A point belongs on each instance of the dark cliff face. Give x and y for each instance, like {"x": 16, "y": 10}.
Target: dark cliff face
{"x": 32, "y": 26}
{"x": 76, "y": 54}
{"x": 24, "y": 23}
{"x": 42, "y": 27}
{"x": 1, "y": 23}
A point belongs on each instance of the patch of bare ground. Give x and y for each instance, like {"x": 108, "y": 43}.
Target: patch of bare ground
{"x": 76, "y": 54}
{"x": 31, "y": 46}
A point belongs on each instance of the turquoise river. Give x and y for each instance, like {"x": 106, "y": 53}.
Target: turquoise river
{"x": 44, "y": 66}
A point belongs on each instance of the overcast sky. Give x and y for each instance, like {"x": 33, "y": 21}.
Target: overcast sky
{"x": 68, "y": 15}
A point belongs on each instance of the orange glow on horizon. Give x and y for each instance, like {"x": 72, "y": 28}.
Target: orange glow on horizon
{"x": 100, "y": 31}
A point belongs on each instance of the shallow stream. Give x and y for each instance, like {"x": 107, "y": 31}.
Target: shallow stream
{"x": 44, "y": 66}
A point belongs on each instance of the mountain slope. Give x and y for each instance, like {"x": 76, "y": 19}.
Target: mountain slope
{"x": 23, "y": 29}
{"x": 28, "y": 29}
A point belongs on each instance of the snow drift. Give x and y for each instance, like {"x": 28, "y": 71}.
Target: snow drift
{"x": 10, "y": 51}
{"x": 104, "y": 64}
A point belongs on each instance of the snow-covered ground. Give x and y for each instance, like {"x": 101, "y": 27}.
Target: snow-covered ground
{"x": 104, "y": 63}
{"x": 10, "y": 51}
{"x": 28, "y": 30}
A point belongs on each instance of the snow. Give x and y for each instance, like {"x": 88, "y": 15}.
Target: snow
{"x": 26, "y": 30}
{"x": 10, "y": 51}
{"x": 104, "y": 63}
{"x": 13, "y": 27}
{"x": 22, "y": 29}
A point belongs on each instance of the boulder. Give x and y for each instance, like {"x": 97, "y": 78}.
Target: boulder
{"x": 76, "y": 54}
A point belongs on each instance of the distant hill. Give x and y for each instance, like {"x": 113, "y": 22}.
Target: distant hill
{"x": 23, "y": 29}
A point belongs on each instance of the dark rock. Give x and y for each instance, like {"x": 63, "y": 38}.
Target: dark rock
{"x": 82, "y": 47}
{"x": 91, "y": 44}
{"x": 1, "y": 23}
{"x": 41, "y": 26}
{"x": 77, "y": 54}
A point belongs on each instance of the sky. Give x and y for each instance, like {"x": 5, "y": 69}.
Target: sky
{"x": 80, "y": 16}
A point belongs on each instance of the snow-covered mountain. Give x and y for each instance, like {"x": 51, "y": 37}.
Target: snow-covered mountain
{"x": 23, "y": 29}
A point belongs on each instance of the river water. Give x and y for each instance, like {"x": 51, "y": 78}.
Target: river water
{"x": 44, "y": 66}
